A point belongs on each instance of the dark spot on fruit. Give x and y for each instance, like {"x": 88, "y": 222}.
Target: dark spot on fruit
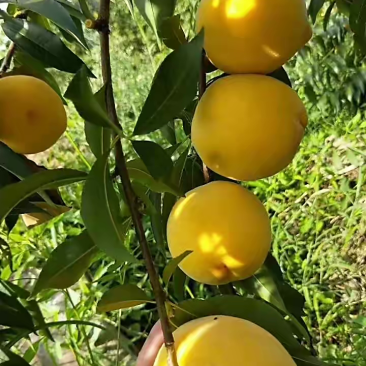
{"x": 215, "y": 318}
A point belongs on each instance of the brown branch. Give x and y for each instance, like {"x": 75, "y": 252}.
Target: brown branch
{"x": 160, "y": 296}
{"x": 7, "y": 59}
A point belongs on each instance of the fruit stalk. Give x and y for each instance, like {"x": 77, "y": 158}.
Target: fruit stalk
{"x": 160, "y": 297}
{"x": 7, "y": 60}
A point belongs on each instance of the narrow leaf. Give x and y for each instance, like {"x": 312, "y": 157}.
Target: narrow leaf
{"x": 12, "y": 195}
{"x": 256, "y": 311}
{"x": 357, "y": 19}
{"x": 171, "y": 32}
{"x": 138, "y": 172}
{"x": 122, "y": 297}
{"x": 173, "y": 265}
{"x": 41, "y": 44}
{"x": 86, "y": 103}
{"x": 314, "y": 8}
{"x": 32, "y": 67}
{"x": 174, "y": 86}
{"x": 281, "y": 75}
{"x": 155, "y": 11}
{"x": 13, "y": 313}
{"x": 98, "y": 137}
{"x": 66, "y": 264}
{"x": 157, "y": 161}
{"x": 101, "y": 212}
{"x": 52, "y": 10}
{"x": 6, "y": 252}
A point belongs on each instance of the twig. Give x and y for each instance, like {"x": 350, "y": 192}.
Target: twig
{"x": 160, "y": 297}
{"x": 7, "y": 59}
{"x": 202, "y": 89}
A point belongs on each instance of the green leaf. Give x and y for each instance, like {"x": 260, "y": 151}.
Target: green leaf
{"x": 168, "y": 131}
{"x": 12, "y": 195}
{"x": 52, "y": 10}
{"x": 73, "y": 10}
{"x": 41, "y": 44}
{"x": 303, "y": 358}
{"x": 327, "y": 16}
{"x": 101, "y": 212}
{"x": 85, "y": 9}
{"x": 36, "y": 313}
{"x": 13, "y": 359}
{"x": 314, "y": 8}
{"x": 173, "y": 265}
{"x": 32, "y": 67}
{"x": 98, "y": 137}
{"x": 171, "y": 32}
{"x": 157, "y": 161}
{"x": 281, "y": 75}
{"x": 15, "y": 163}
{"x": 179, "y": 165}
{"x": 253, "y": 310}
{"x": 13, "y": 313}
{"x": 168, "y": 203}
{"x": 263, "y": 285}
{"x": 66, "y": 264}
{"x": 86, "y": 103}
{"x": 179, "y": 282}
{"x": 156, "y": 220}
{"x": 6, "y": 251}
{"x": 155, "y": 11}
{"x": 357, "y": 20}
{"x": 138, "y": 172}
{"x": 122, "y": 297}
{"x": 173, "y": 88}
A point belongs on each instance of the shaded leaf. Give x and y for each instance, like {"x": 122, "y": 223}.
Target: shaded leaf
{"x": 13, "y": 359}
{"x": 73, "y": 10}
{"x": 263, "y": 285}
{"x": 168, "y": 131}
{"x": 156, "y": 220}
{"x": 281, "y": 75}
{"x": 171, "y": 32}
{"x": 314, "y": 8}
{"x": 101, "y": 212}
{"x": 13, "y": 313}
{"x": 98, "y": 137}
{"x": 66, "y": 264}
{"x": 122, "y": 297}
{"x": 168, "y": 203}
{"x": 41, "y": 44}
{"x": 86, "y": 103}
{"x": 32, "y": 67}
{"x": 42, "y": 213}
{"x": 173, "y": 265}
{"x": 85, "y": 9}
{"x": 253, "y": 310}
{"x": 12, "y": 195}
{"x": 34, "y": 309}
{"x": 174, "y": 86}
{"x": 138, "y": 172}
{"x": 179, "y": 165}
{"x": 157, "y": 161}
{"x": 155, "y": 11}
{"x": 179, "y": 282}
{"x": 52, "y": 10}
{"x": 357, "y": 19}
{"x": 6, "y": 251}
{"x": 327, "y": 15}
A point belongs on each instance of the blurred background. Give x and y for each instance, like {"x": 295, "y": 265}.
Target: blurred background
{"x": 317, "y": 205}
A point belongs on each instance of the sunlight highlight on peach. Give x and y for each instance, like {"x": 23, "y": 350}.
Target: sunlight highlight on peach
{"x": 239, "y": 8}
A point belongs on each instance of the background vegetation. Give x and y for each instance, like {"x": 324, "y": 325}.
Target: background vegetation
{"x": 317, "y": 205}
